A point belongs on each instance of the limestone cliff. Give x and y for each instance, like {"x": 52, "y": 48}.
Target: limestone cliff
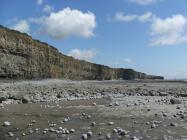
{"x": 22, "y": 57}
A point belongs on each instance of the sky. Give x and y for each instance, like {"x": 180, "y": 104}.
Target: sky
{"x": 147, "y": 35}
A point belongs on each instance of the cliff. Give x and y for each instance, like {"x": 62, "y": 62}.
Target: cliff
{"x": 22, "y": 57}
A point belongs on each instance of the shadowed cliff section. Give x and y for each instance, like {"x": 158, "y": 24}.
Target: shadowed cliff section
{"x": 22, "y": 57}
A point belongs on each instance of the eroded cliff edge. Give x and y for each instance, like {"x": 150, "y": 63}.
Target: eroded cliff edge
{"x": 22, "y": 57}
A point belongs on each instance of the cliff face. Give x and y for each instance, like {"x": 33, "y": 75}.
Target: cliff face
{"x": 21, "y": 57}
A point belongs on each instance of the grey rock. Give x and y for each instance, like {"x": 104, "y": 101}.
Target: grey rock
{"x": 84, "y": 136}
{"x": 6, "y": 123}
{"x": 108, "y": 136}
{"x": 10, "y": 134}
{"x": 2, "y": 99}
{"x": 175, "y": 101}
{"x": 89, "y": 133}
{"x": 25, "y": 99}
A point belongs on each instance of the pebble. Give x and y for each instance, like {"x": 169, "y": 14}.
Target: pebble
{"x": 33, "y": 121}
{"x": 72, "y": 130}
{"x": 93, "y": 124}
{"x": 110, "y": 104}
{"x": 115, "y": 130}
{"x": 67, "y": 131}
{"x": 30, "y": 131}
{"x": 36, "y": 129}
{"x": 175, "y": 101}
{"x": 52, "y": 125}
{"x": 10, "y": 134}
{"x": 52, "y": 130}
{"x": 153, "y": 126}
{"x": 134, "y": 138}
{"x": 178, "y": 107}
{"x": 89, "y": 133}
{"x": 173, "y": 124}
{"x": 88, "y": 116}
{"x": 65, "y": 120}
{"x": 108, "y": 136}
{"x": 6, "y": 123}
{"x": 116, "y": 104}
{"x": 123, "y": 132}
{"x": 110, "y": 123}
{"x": 84, "y": 136}
{"x": 94, "y": 104}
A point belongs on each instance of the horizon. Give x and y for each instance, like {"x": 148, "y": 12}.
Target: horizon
{"x": 130, "y": 34}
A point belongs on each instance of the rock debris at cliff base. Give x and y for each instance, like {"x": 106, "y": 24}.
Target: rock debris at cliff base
{"x": 59, "y": 109}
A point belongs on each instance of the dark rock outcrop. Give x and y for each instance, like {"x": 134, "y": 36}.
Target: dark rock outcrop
{"x": 22, "y": 57}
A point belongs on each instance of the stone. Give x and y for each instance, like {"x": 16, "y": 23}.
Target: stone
{"x": 72, "y": 130}
{"x": 134, "y": 138}
{"x": 2, "y": 99}
{"x": 116, "y": 103}
{"x": 25, "y": 99}
{"x": 175, "y": 101}
{"x": 110, "y": 123}
{"x": 178, "y": 107}
{"x": 115, "y": 130}
{"x": 123, "y": 132}
{"x": 93, "y": 124}
{"x": 89, "y": 116}
{"x": 51, "y": 130}
{"x": 10, "y": 134}
{"x": 163, "y": 94}
{"x": 89, "y": 133}
{"x": 94, "y": 104}
{"x": 108, "y": 136}
{"x": 84, "y": 136}
{"x": 153, "y": 126}
{"x": 173, "y": 124}
{"x": 6, "y": 123}
{"x": 65, "y": 120}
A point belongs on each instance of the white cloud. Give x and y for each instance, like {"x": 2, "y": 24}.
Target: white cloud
{"x": 67, "y": 22}
{"x": 83, "y": 54}
{"x": 143, "y": 2}
{"x": 22, "y": 26}
{"x": 128, "y": 60}
{"x": 48, "y": 9}
{"x": 169, "y": 31}
{"x": 120, "y": 16}
{"x": 39, "y": 2}
{"x": 148, "y": 16}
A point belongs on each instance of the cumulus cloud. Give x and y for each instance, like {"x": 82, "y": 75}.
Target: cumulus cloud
{"x": 67, "y": 22}
{"x": 143, "y": 2}
{"x": 169, "y": 31}
{"x": 163, "y": 31}
{"x": 39, "y": 2}
{"x": 22, "y": 26}
{"x": 48, "y": 9}
{"x": 147, "y": 16}
{"x": 83, "y": 54}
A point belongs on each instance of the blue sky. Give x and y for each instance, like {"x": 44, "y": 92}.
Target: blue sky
{"x": 146, "y": 35}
